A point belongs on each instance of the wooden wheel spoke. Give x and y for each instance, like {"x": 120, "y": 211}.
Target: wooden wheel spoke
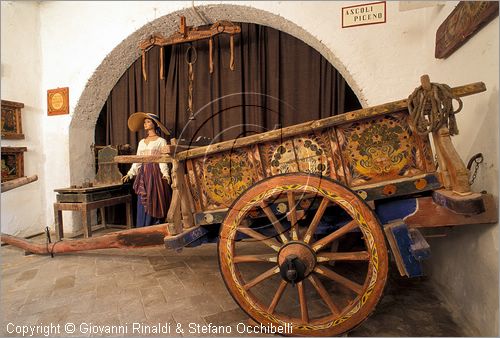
{"x": 262, "y": 277}
{"x": 255, "y": 258}
{"x": 324, "y": 271}
{"x": 293, "y": 215}
{"x": 277, "y": 296}
{"x": 334, "y": 235}
{"x": 304, "y": 313}
{"x": 327, "y": 301}
{"x": 276, "y": 223}
{"x": 343, "y": 256}
{"x": 271, "y": 242}
{"x": 315, "y": 281}
{"x": 316, "y": 219}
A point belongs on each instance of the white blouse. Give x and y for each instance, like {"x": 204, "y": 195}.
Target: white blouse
{"x": 152, "y": 148}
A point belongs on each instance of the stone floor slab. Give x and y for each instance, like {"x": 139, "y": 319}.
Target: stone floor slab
{"x": 154, "y": 286}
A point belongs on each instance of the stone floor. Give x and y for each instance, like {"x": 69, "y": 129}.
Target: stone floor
{"x": 151, "y": 286}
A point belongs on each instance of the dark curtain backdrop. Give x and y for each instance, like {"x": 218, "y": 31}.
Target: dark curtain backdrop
{"x": 278, "y": 81}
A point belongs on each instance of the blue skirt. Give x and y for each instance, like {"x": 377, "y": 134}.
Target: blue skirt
{"x": 144, "y": 219}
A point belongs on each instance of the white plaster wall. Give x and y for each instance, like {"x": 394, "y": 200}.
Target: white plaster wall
{"x": 76, "y": 37}
{"x": 23, "y": 208}
{"x": 464, "y": 264}
{"x": 381, "y": 63}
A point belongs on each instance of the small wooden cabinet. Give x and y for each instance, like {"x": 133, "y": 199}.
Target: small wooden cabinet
{"x": 11, "y": 120}
{"x": 12, "y": 163}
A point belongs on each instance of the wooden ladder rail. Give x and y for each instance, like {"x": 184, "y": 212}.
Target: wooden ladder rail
{"x": 349, "y": 117}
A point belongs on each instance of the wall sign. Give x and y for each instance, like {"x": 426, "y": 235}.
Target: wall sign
{"x": 465, "y": 21}
{"x": 365, "y": 14}
{"x": 58, "y": 101}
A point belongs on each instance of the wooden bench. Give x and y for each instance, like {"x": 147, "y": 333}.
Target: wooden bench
{"x": 85, "y": 208}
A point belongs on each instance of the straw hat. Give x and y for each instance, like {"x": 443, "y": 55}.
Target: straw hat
{"x": 136, "y": 122}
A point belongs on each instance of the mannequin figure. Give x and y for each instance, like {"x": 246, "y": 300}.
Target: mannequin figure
{"x": 152, "y": 182}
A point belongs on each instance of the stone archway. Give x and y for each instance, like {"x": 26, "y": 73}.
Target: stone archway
{"x": 98, "y": 87}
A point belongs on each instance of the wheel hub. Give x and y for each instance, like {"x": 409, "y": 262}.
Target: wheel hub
{"x": 296, "y": 261}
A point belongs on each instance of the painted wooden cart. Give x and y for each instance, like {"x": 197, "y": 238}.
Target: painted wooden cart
{"x": 312, "y": 206}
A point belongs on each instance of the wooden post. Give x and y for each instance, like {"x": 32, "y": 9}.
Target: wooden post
{"x": 188, "y": 194}
{"x": 182, "y": 27}
{"x": 58, "y": 222}
{"x": 103, "y": 217}
{"x": 187, "y": 216}
{"x": 174, "y": 215}
{"x": 128, "y": 210}
{"x": 86, "y": 222}
{"x": 454, "y": 173}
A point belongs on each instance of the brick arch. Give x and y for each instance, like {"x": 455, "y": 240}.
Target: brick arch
{"x": 102, "y": 81}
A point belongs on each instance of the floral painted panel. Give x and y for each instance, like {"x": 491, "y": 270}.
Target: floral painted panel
{"x": 380, "y": 149}
{"x": 313, "y": 155}
{"x": 279, "y": 157}
{"x": 310, "y": 153}
{"x": 226, "y": 175}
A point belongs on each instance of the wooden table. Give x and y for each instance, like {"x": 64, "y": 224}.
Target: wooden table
{"x": 85, "y": 205}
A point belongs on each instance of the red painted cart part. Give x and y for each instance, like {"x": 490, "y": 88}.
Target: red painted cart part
{"x": 430, "y": 214}
{"x": 132, "y": 238}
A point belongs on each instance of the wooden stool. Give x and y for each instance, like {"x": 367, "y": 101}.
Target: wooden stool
{"x": 85, "y": 208}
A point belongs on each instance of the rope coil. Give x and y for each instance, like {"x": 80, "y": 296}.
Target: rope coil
{"x": 430, "y": 109}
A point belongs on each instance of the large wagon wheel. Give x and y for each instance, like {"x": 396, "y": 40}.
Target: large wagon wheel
{"x": 296, "y": 282}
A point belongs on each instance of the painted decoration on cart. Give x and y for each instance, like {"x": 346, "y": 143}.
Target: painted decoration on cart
{"x": 227, "y": 175}
{"x": 279, "y": 158}
{"x": 309, "y": 153}
{"x": 380, "y": 149}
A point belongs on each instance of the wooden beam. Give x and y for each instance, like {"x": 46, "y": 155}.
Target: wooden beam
{"x": 143, "y": 159}
{"x": 18, "y": 182}
{"x": 189, "y": 34}
{"x": 314, "y": 125}
{"x": 442, "y": 217}
{"x": 132, "y": 238}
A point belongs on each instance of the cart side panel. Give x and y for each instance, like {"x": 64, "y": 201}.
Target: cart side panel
{"x": 367, "y": 154}
{"x": 278, "y": 157}
{"x": 383, "y": 149}
{"x": 314, "y": 154}
{"x": 193, "y": 185}
{"x": 338, "y": 162}
{"x": 308, "y": 153}
{"x": 216, "y": 180}
{"x": 222, "y": 177}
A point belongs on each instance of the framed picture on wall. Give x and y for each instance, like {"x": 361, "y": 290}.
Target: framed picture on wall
{"x": 58, "y": 101}
{"x": 468, "y": 18}
{"x": 11, "y": 120}
{"x": 12, "y": 163}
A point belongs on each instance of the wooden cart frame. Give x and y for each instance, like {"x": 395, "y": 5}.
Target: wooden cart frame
{"x": 296, "y": 192}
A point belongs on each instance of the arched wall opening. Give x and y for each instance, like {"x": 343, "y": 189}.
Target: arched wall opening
{"x": 98, "y": 87}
